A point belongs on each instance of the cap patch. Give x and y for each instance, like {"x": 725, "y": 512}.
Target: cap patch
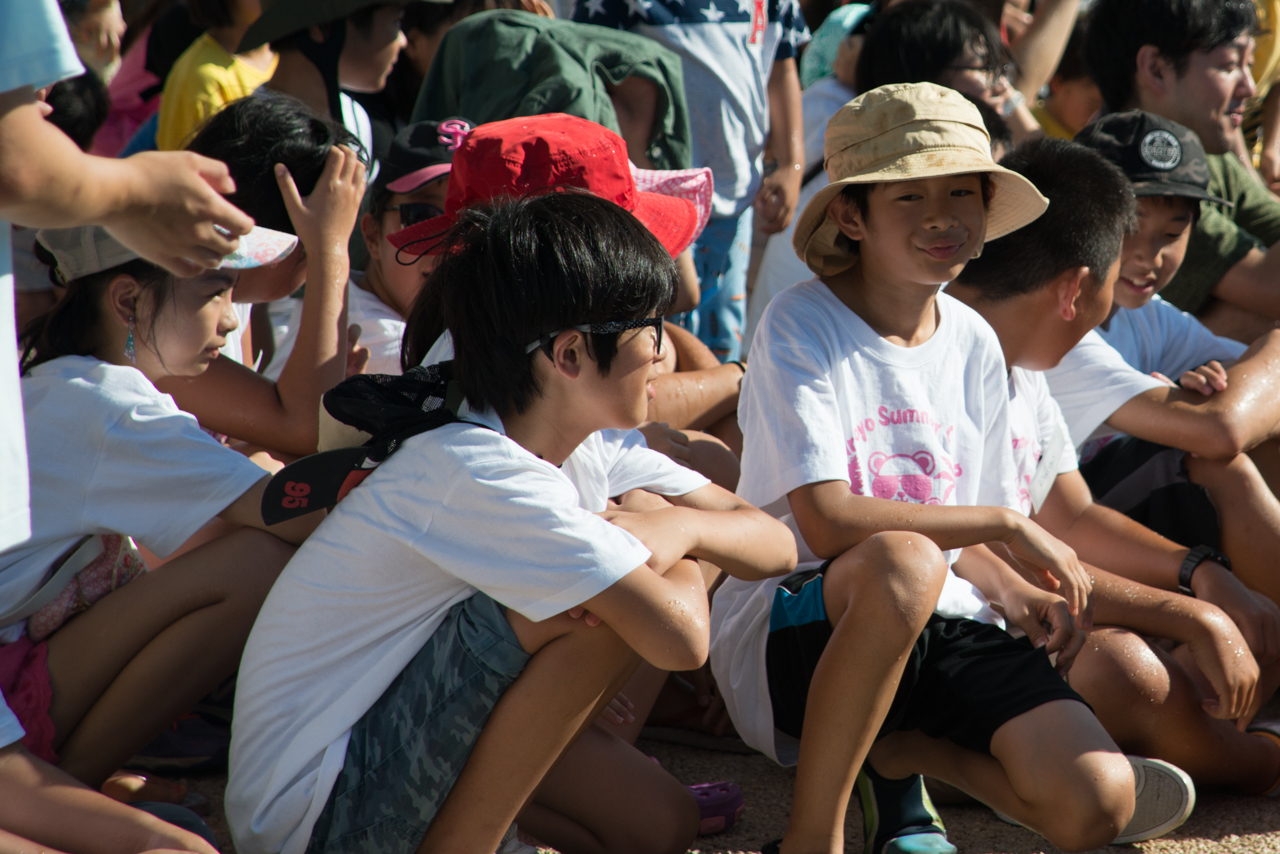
{"x": 452, "y": 132}
{"x": 1161, "y": 150}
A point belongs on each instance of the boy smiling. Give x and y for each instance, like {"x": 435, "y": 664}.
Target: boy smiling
{"x": 884, "y": 646}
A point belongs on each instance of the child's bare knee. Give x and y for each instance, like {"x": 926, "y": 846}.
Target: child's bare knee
{"x": 1098, "y": 805}
{"x": 911, "y": 569}
{"x": 1120, "y": 666}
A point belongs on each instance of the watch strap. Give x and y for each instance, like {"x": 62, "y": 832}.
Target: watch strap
{"x": 1194, "y": 558}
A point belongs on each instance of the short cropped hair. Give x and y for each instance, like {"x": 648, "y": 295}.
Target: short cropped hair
{"x": 1091, "y": 208}
{"x": 253, "y": 134}
{"x": 514, "y": 270}
{"x": 1117, "y": 29}
{"x": 917, "y": 40}
{"x": 80, "y": 107}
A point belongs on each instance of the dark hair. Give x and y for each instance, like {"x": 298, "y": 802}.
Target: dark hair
{"x": 253, "y": 134}
{"x": 1177, "y": 28}
{"x": 514, "y": 270}
{"x": 918, "y": 40}
{"x": 80, "y": 106}
{"x": 211, "y": 13}
{"x": 69, "y": 328}
{"x": 1091, "y": 208}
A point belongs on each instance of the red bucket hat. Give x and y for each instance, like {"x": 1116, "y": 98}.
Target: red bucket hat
{"x": 522, "y": 155}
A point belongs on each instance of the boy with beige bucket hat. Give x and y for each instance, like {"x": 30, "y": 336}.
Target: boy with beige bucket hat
{"x": 875, "y": 417}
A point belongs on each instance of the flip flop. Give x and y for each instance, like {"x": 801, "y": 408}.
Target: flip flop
{"x": 719, "y": 804}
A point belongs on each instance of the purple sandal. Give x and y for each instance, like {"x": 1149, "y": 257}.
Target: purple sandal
{"x": 719, "y": 804}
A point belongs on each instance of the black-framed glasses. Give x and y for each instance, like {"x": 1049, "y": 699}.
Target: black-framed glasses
{"x": 412, "y": 213}
{"x": 606, "y": 328}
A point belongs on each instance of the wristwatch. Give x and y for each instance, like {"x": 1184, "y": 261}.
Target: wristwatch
{"x": 1194, "y": 558}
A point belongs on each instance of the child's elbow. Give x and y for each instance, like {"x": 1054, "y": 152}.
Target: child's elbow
{"x": 687, "y": 650}
{"x": 1223, "y": 437}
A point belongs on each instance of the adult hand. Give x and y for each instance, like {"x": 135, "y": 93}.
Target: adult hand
{"x": 1047, "y": 622}
{"x": 176, "y": 217}
{"x": 1222, "y": 655}
{"x": 775, "y": 202}
{"x": 325, "y": 219}
{"x": 1205, "y": 379}
{"x": 1055, "y": 567}
{"x": 1256, "y": 617}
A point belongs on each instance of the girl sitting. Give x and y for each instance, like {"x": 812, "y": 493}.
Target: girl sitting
{"x": 112, "y": 458}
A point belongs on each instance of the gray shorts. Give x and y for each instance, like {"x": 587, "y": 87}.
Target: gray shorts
{"x": 408, "y": 749}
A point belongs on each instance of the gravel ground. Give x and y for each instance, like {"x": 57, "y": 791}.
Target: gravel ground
{"x": 1222, "y": 821}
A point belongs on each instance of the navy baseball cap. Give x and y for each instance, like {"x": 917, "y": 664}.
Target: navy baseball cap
{"x": 1161, "y": 158}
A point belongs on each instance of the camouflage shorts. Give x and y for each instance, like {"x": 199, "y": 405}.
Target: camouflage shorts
{"x": 406, "y": 752}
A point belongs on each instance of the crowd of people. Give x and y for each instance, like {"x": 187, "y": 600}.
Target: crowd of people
{"x": 407, "y": 404}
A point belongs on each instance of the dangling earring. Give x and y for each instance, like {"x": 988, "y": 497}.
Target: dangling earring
{"x": 129, "y": 352}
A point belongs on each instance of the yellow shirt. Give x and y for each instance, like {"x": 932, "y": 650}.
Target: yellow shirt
{"x": 203, "y": 80}
{"x": 1052, "y": 127}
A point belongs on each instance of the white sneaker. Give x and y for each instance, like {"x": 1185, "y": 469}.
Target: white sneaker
{"x": 511, "y": 843}
{"x": 1164, "y": 797}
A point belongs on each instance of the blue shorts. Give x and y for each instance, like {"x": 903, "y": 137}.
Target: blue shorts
{"x": 721, "y": 256}
{"x": 963, "y": 679}
{"x": 406, "y": 752}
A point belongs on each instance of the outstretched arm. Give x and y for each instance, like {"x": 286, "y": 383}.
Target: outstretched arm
{"x": 1040, "y": 49}
{"x": 163, "y": 205}
{"x": 1244, "y": 414}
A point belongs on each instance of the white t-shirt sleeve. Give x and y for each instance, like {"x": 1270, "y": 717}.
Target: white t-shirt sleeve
{"x": 35, "y": 49}
{"x": 552, "y": 554}
{"x": 159, "y": 478}
{"x": 635, "y": 466}
{"x": 791, "y": 427}
{"x": 1092, "y": 382}
{"x": 11, "y": 730}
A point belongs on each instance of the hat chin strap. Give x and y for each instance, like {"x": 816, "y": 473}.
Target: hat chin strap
{"x": 324, "y": 56}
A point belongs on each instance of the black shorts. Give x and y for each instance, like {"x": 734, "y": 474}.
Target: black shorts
{"x": 963, "y": 679}
{"x": 1149, "y": 484}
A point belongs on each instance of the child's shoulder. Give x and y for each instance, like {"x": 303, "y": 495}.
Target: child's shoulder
{"x": 87, "y": 379}
{"x": 804, "y": 309}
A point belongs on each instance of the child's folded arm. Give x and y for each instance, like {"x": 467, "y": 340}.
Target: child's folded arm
{"x": 662, "y": 615}
{"x": 1211, "y": 636}
{"x": 734, "y": 535}
{"x": 1044, "y": 616}
{"x": 1231, "y": 421}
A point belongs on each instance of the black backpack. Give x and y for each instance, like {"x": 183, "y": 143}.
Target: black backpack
{"x": 379, "y": 410}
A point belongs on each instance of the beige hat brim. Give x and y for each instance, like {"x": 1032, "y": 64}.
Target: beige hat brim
{"x": 1016, "y": 202}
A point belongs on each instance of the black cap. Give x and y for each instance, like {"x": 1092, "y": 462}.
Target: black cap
{"x": 1161, "y": 158}
{"x": 420, "y": 153}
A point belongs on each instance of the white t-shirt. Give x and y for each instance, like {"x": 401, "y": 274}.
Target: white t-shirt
{"x": 828, "y": 399}
{"x": 234, "y": 348}
{"x": 111, "y": 454}
{"x": 381, "y": 330}
{"x": 11, "y": 730}
{"x": 1092, "y": 382}
{"x": 458, "y": 509}
{"x": 1033, "y": 417}
{"x": 1160, "y": 337}
{"x": 35, "y": 51}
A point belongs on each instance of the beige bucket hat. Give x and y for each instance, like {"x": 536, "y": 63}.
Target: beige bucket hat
{"x": 904, "y": 132}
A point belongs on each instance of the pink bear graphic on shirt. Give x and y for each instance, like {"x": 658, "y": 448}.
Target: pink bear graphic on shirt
{"x": 915, "y": 478}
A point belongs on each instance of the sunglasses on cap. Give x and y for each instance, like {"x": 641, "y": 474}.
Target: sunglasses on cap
{"x": 412, "y": 213}
{"x": 608, "y": 327}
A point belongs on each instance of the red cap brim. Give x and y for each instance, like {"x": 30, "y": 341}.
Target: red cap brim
{"x": 674, "y": 221}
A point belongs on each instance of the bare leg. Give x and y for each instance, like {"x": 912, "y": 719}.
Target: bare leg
{"x": 1266, "y": 457}
{"x": 1054, "y": 769}
{"x": 728, "y": 431}
{"x": 574, "y": 671}
{"x": 711, "y": 458}
{"x": 1150, "y": 704}
{"x": 1249, "y": 515}
{"x": 878, "y": 596}
{"x": 141, "y": 656}
{"x": 642, "y": 689}
{"x": 606, "y": 797}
